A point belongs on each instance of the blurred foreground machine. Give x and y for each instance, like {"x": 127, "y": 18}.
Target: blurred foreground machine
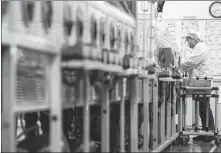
{"x": 92, "y": 42}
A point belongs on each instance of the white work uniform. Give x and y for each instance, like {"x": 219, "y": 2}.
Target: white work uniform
{"x": 197, "y": 64}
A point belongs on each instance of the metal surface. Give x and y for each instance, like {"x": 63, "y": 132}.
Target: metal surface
{"x": 86, "y": 112}
{"x": 207, "y": 115}
{"x": 9, "y": 98}
{"x": 198, "y": 133}
{"x": 162, "y": 115}
{"x": 217, "y": 120}
{"x": 134, "y": 114}
{"x": 173, "y": 125}
{"x": 105, "y": 120}
{"x": 184, "y": 112}
{"x": 122, "y": 114}
{"x": 155, "y": 114}
{"x": 146, "y": 100}
{"x": 168, "y": 106}
{"x": 193, "y": 114}
{"x": 180, "y": 113}
{"x": 197, "y": 113}
{"x": 55, "y": 104}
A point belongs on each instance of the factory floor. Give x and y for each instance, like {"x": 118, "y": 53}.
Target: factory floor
{"x": 193, "y": 146}
{"x": 190, "y": 147}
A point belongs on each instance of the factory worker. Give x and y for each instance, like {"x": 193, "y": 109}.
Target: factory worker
{"x": 197, "y": 64}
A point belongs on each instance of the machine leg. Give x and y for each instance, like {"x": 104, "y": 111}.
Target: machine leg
{"x": 122, "y": 116}
{"x": 218, "y": 136}
{"x": 193, "y": 112}
{"x": 134, "y": 114}
{"x": 197, "y": 115}
{"x": 182, "y": 139}
{"x": 180, "y": 113}
{"x": 155, "y": 114}
{"x": 105, "y": 120}
{"x": 146, "y": 114}
{"x": 168, "y": 136}
{"x": 207, "y": 117}
{"x": 184, "y": 113}
{"x": 173, "y": 110}
{"x": 86, "y": 113}
{"x": 9, "y": 94}
{"x": 150, "y": 114}
{"x": 55, "y": 101}
{"x": 216, "y": 113}
{"x": 162, "y": 115}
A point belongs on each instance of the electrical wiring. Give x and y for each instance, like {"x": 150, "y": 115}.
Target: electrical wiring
{"x": 25, "y": 131}
{"x": 21, "y": 121}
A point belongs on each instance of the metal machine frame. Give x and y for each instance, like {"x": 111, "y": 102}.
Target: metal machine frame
{"x": 195, "y": 88}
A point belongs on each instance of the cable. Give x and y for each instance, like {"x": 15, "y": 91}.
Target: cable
{"x": 21, "y": 121}
{"x": 25, "y": 131}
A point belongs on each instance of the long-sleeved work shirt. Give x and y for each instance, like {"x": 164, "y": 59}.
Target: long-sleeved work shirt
{"x": 198, "y": 62}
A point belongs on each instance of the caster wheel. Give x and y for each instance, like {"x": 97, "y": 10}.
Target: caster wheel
{"x": 187, "y": 139}
{"x": 218, "y": 141}
{"x": 183, "y": 140}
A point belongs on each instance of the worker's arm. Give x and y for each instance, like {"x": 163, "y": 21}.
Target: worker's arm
{"x": 195, "y": 58}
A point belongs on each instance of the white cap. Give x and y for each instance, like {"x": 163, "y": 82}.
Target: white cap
{"x": 194, "y": 35}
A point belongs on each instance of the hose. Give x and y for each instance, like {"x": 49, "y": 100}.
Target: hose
{"x": 25, "y": 131}
{"x": 22, "y": 125}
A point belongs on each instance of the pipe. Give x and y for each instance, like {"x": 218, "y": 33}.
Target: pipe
{"x": 144, "y": 34}
{"x": 145, "y": 9}
{"x": 150, "y": 29}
